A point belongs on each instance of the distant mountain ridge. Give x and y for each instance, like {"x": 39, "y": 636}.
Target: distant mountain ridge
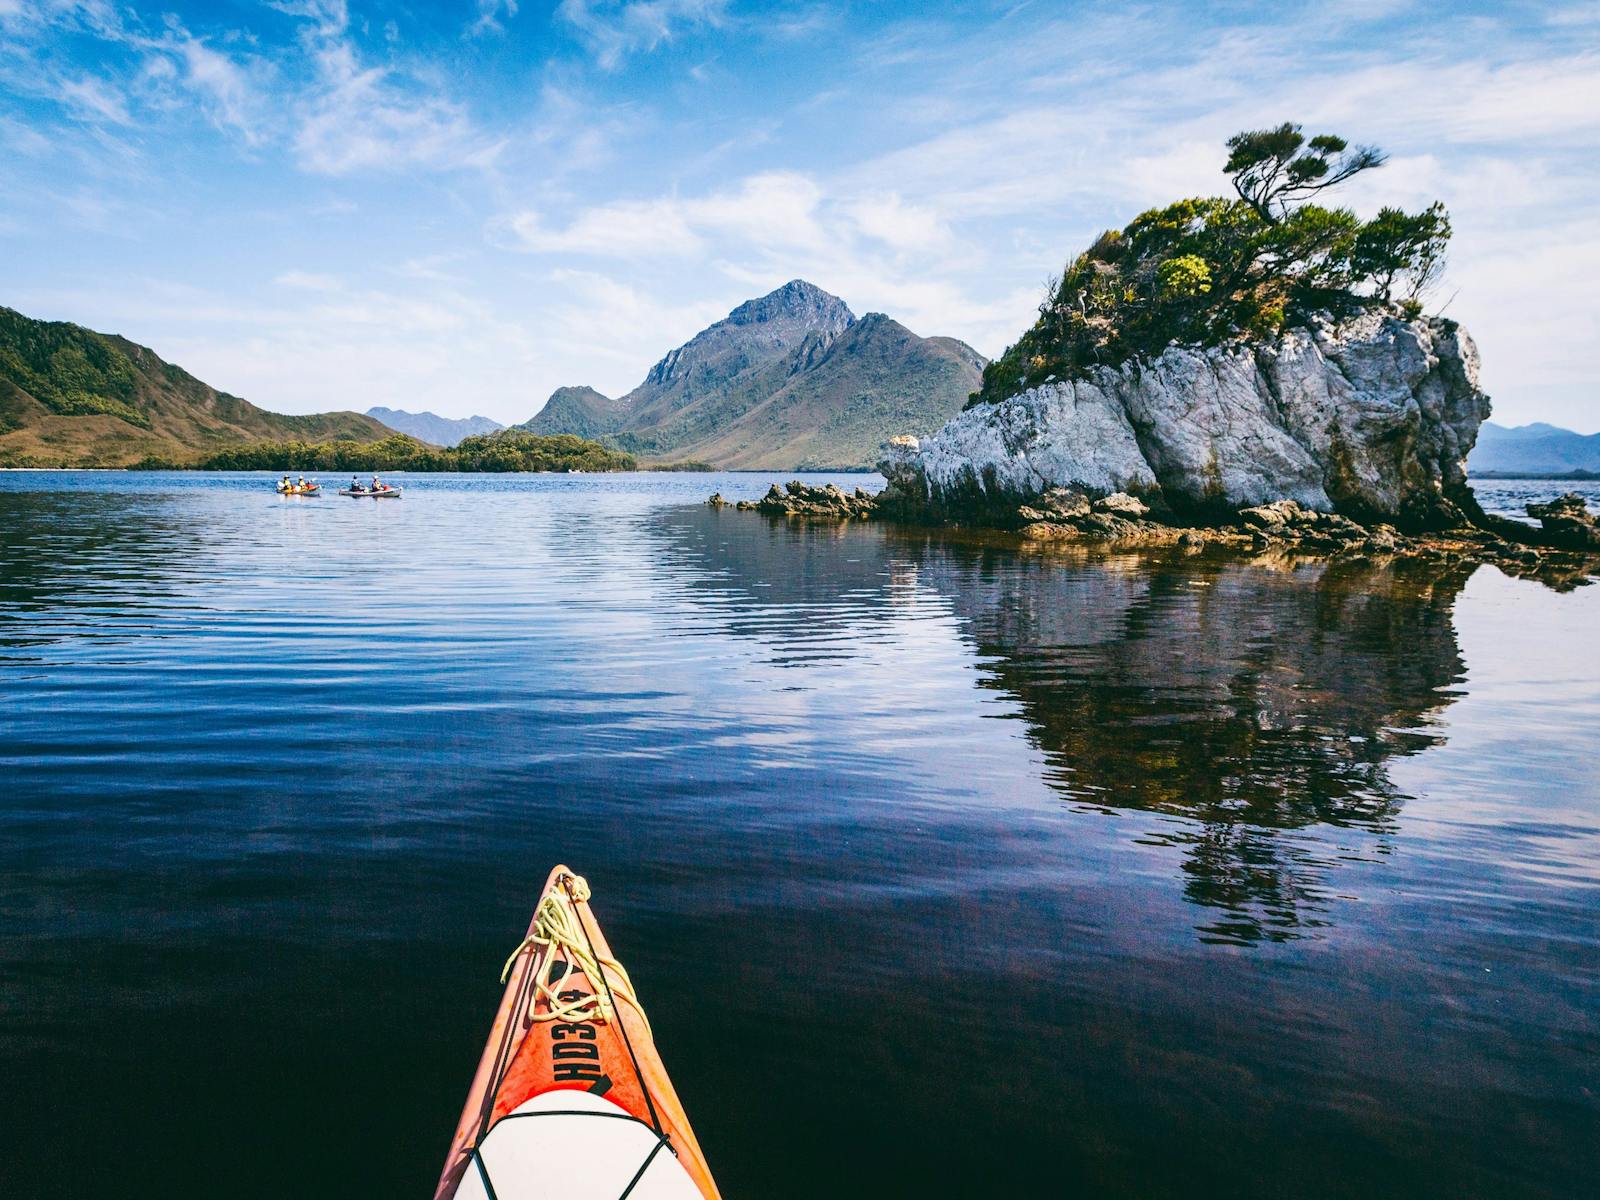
{"x": 1536, "y": 449}
{"x": 791, "y": 379}
{"x": 431, "y": 427}
{"x": 72, "y": 397}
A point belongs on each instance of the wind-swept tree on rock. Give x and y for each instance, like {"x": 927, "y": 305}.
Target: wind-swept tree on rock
{"x": 1273, "y": 169}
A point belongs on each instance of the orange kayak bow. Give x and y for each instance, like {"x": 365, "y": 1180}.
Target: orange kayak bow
{"x": 571, "y": 1098}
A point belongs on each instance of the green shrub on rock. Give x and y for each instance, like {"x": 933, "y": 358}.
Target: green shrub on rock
{"x": 1205, "y": 270}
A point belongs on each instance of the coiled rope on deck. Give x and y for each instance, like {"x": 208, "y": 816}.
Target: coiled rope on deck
{"x": 557, "y": 925}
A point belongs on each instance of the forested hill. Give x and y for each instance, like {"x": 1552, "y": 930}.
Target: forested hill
{"x": 76, "y": 398}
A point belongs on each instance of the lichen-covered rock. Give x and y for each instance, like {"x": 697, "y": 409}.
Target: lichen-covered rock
{"x": 1068, "y": 504}
{"x": 1274, "y": 516}
{"x": 1120, "y": 504}
{"x": 1372, "y": 418}
{"x": 1285, "y": 521}
{"x": 1071, "y": 502}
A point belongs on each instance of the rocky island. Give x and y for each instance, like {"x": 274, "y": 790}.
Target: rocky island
{"x": 1242, "y": 371}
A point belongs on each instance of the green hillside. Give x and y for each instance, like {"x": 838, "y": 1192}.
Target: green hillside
{"x": 72, "y": 397}
{"x": 580, "y": 411}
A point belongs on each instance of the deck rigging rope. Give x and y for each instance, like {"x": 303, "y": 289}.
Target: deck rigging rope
{"x": 557, "y": 926}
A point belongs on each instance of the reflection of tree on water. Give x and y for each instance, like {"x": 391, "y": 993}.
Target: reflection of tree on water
{"x": 1252, "y": 701}
{"x": 1258, "y": 704}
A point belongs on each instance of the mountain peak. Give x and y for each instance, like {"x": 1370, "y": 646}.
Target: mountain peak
{"x": 796, "y": 300}
{"x": 431, "y": 427}
{"x": 579, "y": 391}
{"x": 787, "y": 380}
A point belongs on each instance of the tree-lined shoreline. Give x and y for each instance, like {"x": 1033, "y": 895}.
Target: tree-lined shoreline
{"x": 504, "y": 452}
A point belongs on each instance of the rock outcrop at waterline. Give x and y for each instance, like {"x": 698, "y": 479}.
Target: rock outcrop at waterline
{"x": 797, "y": 499}
{"x": 1567, "y": 521}
{"x": 1371, "y": 418}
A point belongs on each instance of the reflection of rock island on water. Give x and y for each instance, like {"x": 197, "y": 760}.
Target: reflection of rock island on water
{"x": 1251, "y": 699}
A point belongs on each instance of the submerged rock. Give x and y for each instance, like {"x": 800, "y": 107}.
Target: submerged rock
{"x": 1371, "y": 418}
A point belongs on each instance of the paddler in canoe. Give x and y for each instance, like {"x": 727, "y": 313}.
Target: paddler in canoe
{"x": 572, "y": 1047}
{"x": 377, "y": 488}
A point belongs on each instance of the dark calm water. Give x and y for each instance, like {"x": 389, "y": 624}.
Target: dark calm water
{"x": 943, "y": 869}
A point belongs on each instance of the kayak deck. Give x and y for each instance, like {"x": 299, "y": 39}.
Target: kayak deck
{"x": 571, "y": 1098}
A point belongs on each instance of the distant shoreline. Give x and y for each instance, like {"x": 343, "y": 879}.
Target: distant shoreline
{"x": 1575, "y": 476}
{"x": 414, "y": 471}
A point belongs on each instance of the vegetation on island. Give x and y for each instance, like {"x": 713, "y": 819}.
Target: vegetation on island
{"x": 1206, "y": 270}
{"x": 504, "y": 451}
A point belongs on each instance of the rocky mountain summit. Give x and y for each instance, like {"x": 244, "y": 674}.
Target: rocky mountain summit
{"x": 792, "y": 379}
{"x": 1372, "y": 418}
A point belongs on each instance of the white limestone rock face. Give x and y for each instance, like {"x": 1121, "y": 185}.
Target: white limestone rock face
{"x": 985, "y": 460}
{"x": 1373, "y": 417}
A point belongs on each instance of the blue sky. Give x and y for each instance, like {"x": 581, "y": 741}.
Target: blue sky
{"x": 462, "y": 206}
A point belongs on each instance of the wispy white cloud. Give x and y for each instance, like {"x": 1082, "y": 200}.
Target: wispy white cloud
{"x": 317, "y": 93}
{"x": 886, "y": 217}
{"x": 94, "y": 99}
{"x": 773, "y": 212}
{"x": 229, "y": 89}
{"x": 614, "y": 29}
{"x": 625, "y": 229}
{"x": 492, "y": 15}
{"x": 360, "y": 117}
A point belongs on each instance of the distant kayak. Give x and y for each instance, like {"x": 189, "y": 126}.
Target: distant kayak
{"x": 571, "y": 1046}
{"x": 311, "y": 489}
{"x": 380, "y": 494}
